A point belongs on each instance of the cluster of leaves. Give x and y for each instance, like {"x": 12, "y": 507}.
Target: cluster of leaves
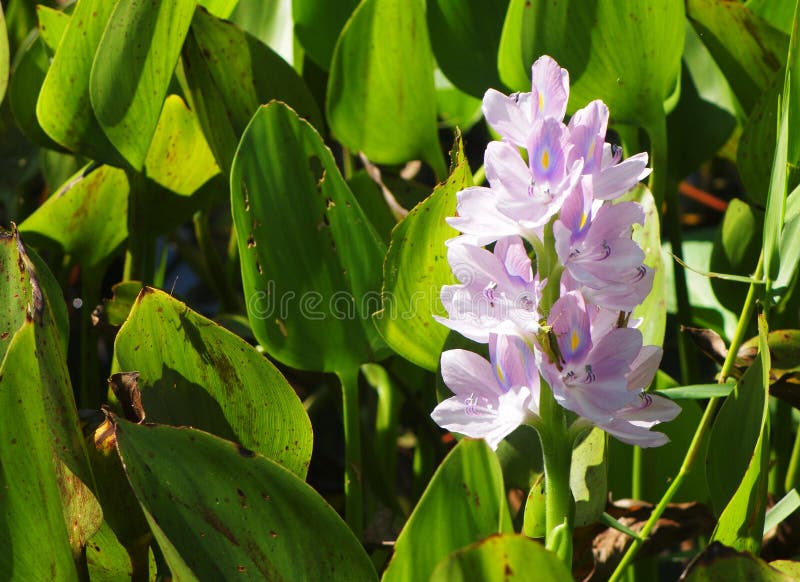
{"x": 140, "y": 138}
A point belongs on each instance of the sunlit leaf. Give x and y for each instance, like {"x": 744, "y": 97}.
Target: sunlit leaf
{"x": 317, "y": 25}
{"x": 132, "y": 71}
{"x": 310, "y": 261}
{"x": 464, "y": 503}
{"x": 718, "y": 562}
{"x": 588, "y": 477}
{"x": 416, "y": 268}
{"x": 502, "y": 558}
{"x": 4, "y": 56}
{"x": 193, "y": 372}
{"x": 219, "y": 8}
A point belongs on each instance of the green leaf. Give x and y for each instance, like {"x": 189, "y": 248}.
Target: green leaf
{"x": 193, "y": 372}
{"x": 30, "y": 68}
{"x": 719, "y": 563}
{"x": 415, "y": 269}
{"x": 465, "y": 37}
{"x": 317, "y": 25}
{"x": 106, "y": 559}
{"x": 747, "y": 49}
{"x": 697, "y": 391}
{"x": 705, "y": 98}
{"x": 639, "y": 77}
{"x": 227, "y": 74}
{"x": 653, "y": 309}
{"x": 502, "y": 558}
{"x": 776, "y": 196}
{"x": 778, "y": 13}
{"x": 219, "y": 8}
{"x": 588, "y": 477}
{"x": 454, "y": 107}
{"x": 310, "y": 261}
{"x": 4, "y": 56}
{"x": 220, "y": 511}
{"x": 464, "y": 503}
{"x": 381, "y": 95}
{"x": 30, "y": 503}
{"x": 86, "y": 218}
{"x": 119, "y": 306}
{"x": 511, "y": 65}
{"x": 132, "y": 71}
{"x": 52, "y": 25}
{"x": 63, "y": 109}
{"x": 781, "y": 510}
{"x": 737, "y": 246}
{"x": 179, "y": 158}
{"x": 739, "y": 482}
{"x": 787, "y": 567}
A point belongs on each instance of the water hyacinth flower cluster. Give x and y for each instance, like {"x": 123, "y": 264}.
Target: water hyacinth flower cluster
{"x": 568, "y": 319}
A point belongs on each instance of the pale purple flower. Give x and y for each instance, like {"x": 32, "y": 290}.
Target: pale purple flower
{"x": 513, "y": 116}
{"x": 593, "y": 242}
{"x": 498, "y": 292}
{"x": 491, "y": 399}
{"x": 599, "y": 372}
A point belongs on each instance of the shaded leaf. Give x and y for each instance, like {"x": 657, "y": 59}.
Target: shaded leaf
{"x": 588, "y": 477}
{"x": 317, "y": 25}
{"x": 310, "y": 262}
{"x": 223, "y": 511}
{"x": 52, "y": 25}
{"x": 458, "y": 29}
{"x": 381, "y": 98}
{"x": 463, "y": 503}
{"x": 194, "y": 372}
{"x": 747, "y": 49}
{"x": 226, "y": 74}
{"x": 63, "y": 107}
{"x": 719, "y": 562}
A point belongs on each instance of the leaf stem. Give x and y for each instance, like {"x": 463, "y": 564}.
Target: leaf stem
{"x": 220, "y": 283}
{"x": 353, "y": 486}
{"x": 557, "y": 457}
{"x": 703, "y": 428}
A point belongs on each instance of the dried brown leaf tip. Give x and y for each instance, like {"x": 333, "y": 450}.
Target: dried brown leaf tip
{"x": 125, "y": 386}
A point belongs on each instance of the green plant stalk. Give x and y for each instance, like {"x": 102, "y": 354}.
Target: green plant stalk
{"x": 557, "y": 457}
{"x": 782, "y": 448}
{"x": 353, "y": 486}
{"x": 90, "y": 390}
{"x": 692, "y": 454}
{"x": 213, "y": 264}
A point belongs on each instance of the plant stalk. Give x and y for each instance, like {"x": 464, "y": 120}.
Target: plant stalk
{"x": 353, "y": 486}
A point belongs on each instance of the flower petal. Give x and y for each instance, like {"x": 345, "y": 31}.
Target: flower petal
{"x": 550, "y": 88}
{"x": 510, "y": 116}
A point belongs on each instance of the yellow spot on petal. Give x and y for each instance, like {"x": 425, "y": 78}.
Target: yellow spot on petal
{"x": 591, "y": 148}
{"x": 541, "y": 102}
{"x": 500, "y": 374}
{"x": 575, "y": 340}
{"x": 545, "y": 159}
{"x": 583, "y": 219}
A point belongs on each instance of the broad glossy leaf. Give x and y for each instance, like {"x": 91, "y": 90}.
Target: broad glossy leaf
{"x": 454, "y": 107}
{"x": 310, "y": 261}
{"x": 194, "y": 372}
{"x": 697, "y": 391}
{"x": 220, "y": 511}
{"x": 52, "y": 25}
{"x": 373, "y": 203}
{"x": 107, "y": 559}
{"x": 132, "y": 71}
{"x": 464, "y": 503}
{"x": 503, "y": 558}
{"x": 705, "y": 100}
{"x": 415, "y": 269}
{"x": 4, "y": 56}
{"x": 270, "y": 21}
{"x": 465, "y": 37}
{"x": 226, "y": 74}
{"x": 756, "y": 149}
{"x": 719, "y": 563}
{"x": 747, "y": 49}
{"x": 613, "y": 50}
{"x": 736, "y": 249}
{"x": 653, "y": 309}
{"x": 30, "y": 503}
{"x": 317, "y": 25}
{"x": 63, "y": 108}
{"x": 219, "y": 8}
{"x": 778, "y": 13}
{"x": 381, "y": 96}
{"x": 790, "y": 567}
{"x": 86, "y": 218}
{"x": 179, "y": 158}
{"x": 30, "y": 68}
{"x": 588, "y": 477}
{"x": 738, "y": 482}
